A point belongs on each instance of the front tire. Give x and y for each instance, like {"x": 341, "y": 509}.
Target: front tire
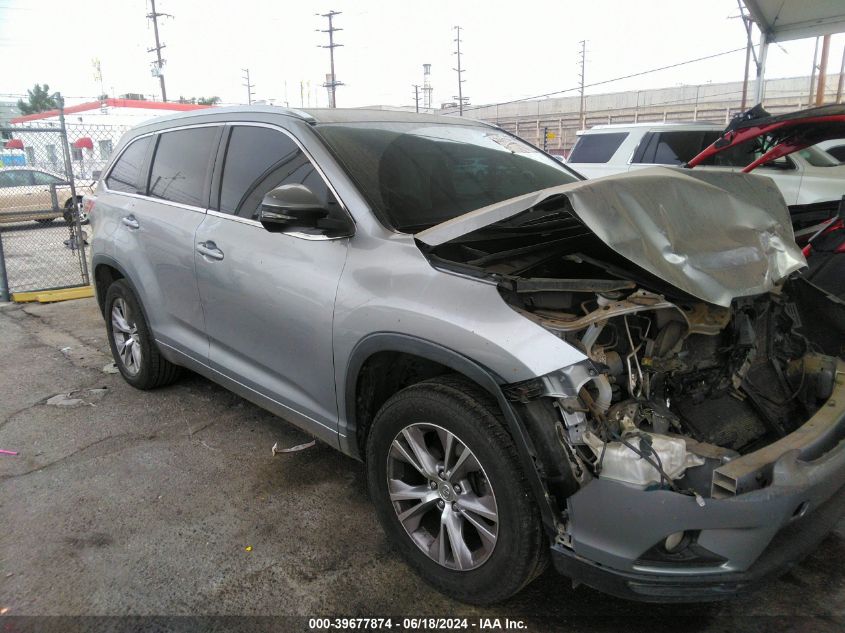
{"x": 448, "y": 490}
{"x": 132, "y": 345}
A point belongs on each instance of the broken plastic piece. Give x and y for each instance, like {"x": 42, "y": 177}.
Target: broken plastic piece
{"x": 292, "y": 449}
{"x": 5, "y": 452}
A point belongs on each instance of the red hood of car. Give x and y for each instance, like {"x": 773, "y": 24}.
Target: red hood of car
{"x": 781, "y": 135}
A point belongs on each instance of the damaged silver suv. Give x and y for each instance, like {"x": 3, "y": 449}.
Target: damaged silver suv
{"x": 627, "y": 377}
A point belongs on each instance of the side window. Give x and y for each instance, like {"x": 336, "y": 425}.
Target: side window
{"x": 126, "y": 175}
{"x": 597, "y": 148}
{"x": 16, "y": 178}
{"x": 40, "y": 178}
{"x": 838, "y": 152}
{"x": 672, "y": 148}
{"x": 180, "y": 165}
{"x": 259, "y": 159}
{"x": 105, "y": 146}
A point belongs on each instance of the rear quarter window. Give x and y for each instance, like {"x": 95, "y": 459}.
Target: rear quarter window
{"x": 597, "y": 148}
{"x": 126, "y": 175}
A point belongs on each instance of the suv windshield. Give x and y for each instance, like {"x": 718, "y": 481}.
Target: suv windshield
{"x": 419, "y": 174}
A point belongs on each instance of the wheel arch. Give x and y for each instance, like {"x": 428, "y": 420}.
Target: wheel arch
{"x": 106, "y": 271}
{"x": 353, "y": 428}
{"x": 402, "y": 347}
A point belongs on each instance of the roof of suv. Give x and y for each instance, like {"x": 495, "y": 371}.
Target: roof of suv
{"x": 689, "y": 125}
{"x": 319, "y": 115}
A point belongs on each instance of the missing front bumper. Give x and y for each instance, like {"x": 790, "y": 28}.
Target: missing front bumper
{"x": 613, "y": 524}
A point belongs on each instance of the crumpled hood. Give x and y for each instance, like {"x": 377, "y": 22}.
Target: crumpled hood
{"x": 716, "y": 236}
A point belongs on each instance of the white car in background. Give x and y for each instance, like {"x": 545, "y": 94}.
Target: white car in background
{"x": 804, "y": 177}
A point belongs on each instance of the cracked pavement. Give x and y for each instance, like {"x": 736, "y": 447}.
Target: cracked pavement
{"x": 144, "y": 503}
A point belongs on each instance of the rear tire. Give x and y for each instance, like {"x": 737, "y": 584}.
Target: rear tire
{"x": 132, "y": 345}
{"x": 489, "y": 520}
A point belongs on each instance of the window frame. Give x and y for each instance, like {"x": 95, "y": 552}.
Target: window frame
{"x": 217, "y": 182}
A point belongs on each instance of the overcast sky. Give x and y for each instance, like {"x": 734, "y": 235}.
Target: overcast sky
{"x": 511, "y": 49}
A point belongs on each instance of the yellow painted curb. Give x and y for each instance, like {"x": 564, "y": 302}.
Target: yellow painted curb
{"x": 50, "y": 296}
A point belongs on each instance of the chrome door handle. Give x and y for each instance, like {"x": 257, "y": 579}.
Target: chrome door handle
{"x": 131, "y": 222}
{"x": 209, "y": 249}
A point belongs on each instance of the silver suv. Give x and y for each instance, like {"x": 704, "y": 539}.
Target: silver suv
{"x": 627, "y": 377}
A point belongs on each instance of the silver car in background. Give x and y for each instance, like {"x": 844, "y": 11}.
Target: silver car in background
{"x": 626, "y": 377}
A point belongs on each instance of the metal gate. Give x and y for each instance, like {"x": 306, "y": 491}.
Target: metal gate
{"x": 43, "y": 236}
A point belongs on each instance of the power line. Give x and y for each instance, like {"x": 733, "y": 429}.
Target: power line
{"x": 607, "y": 81}
{"x": 248, "y": 85}
{"x": 461, "y": 98}
{"x": 331, "y": 79}
{"x": 158, "y": 65}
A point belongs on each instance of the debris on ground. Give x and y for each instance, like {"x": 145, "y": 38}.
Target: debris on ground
{"x": 64, "y": 400}
{"x": 111, "y": 368}
{"x": 292, "y": 449}
{"x": 5, "y": 452}
{"x": 248, "y": 548}
{"x": 78, "y": 397}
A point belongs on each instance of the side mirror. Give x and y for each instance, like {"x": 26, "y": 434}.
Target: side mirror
{"x": 295, "y": 206}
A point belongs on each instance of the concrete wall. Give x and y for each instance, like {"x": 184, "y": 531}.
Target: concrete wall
{"x": 708, "y": 102}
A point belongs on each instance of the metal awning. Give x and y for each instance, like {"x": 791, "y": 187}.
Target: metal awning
{"x": 783, "y": 20}
{"x": 83, "y": 143}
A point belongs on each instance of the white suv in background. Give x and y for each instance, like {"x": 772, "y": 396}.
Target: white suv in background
{"x": 805, "y": 177}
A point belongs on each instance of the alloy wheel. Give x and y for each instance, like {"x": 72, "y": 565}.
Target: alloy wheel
{"x": 125, "y": 335}
{"x": 442, "y": 496}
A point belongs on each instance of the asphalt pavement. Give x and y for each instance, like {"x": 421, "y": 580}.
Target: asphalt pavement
{"x": 170, "y": 502}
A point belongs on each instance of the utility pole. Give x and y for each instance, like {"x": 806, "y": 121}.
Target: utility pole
{"x": 823, "y": 70}
{"x": 331, "y": 81}
{"x": 813, "y": 74}
{"x": 158, "y": 65}
{"x": 582, "y": 118}
{"x": 248, "y": 85}
{"x": 461, "y": 98}
{"x": 417, "y": 97}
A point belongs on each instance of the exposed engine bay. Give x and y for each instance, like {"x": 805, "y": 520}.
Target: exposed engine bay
{"x": 675, "y": 390}
{"x": 673, "y": 387}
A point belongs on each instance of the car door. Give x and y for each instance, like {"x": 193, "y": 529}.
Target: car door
{"x": 268, "y": 298}
{"x": 155, "y": 230}
{"x": 43, "y": 185}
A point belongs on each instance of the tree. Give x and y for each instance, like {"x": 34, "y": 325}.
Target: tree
{"x": 39, "y": 99}
{"x": 209, "y": 101}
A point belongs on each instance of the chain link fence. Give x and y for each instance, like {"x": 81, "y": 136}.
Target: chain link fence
{"x": 46, "y": 167}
